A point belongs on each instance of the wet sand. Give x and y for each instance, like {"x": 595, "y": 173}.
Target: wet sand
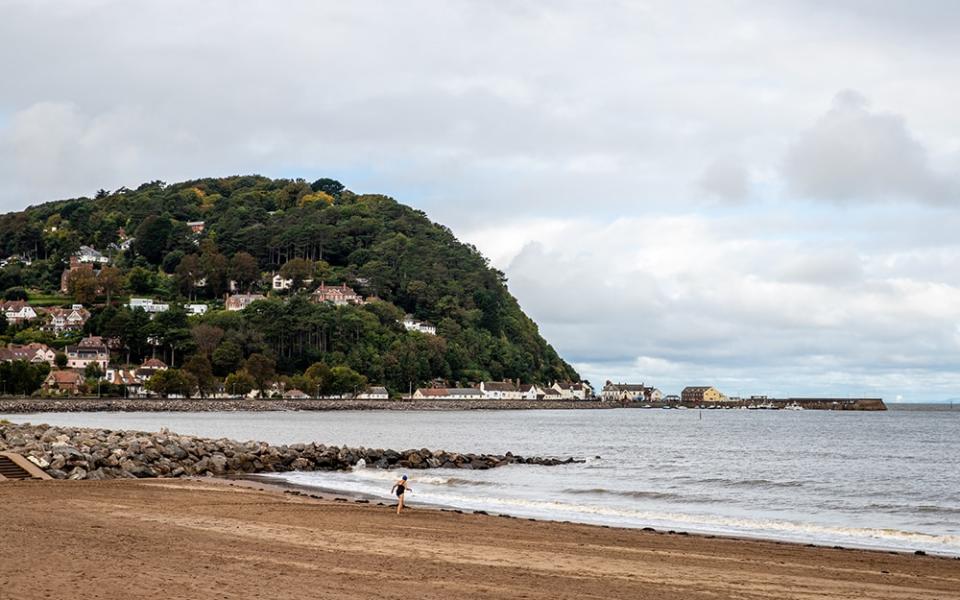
{"x": 178, "y": 539}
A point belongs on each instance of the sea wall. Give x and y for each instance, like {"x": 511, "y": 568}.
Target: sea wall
{"x": 38, "y": 405}
{"x": 81, "y": 453}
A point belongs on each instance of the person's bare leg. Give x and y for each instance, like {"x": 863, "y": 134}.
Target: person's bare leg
{"x": 399, "y": 504}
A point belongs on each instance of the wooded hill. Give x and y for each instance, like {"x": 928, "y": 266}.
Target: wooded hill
{"x": 254, "y": 227}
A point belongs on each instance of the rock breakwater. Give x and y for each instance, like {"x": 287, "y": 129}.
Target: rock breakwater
{"x": 82, "y": 453}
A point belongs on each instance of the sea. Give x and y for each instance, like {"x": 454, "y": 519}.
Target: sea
{"x": 884, "y": 480}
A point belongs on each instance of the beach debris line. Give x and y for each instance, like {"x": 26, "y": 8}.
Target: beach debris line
{"x": 86, "y": 453}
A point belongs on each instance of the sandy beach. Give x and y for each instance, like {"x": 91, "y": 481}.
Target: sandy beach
{"x": 176, "y": 539}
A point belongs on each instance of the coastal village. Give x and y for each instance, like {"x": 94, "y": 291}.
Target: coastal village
{"x": 82, "y": 363}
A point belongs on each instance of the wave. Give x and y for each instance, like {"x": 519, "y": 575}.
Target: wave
{"x": 641, "y": 494}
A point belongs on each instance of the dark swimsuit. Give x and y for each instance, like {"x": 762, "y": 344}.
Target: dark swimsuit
{"x": 400, "y": 489}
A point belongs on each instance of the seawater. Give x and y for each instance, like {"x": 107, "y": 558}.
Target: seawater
{"x": 881, "y": 480}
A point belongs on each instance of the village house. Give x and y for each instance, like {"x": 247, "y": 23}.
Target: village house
{"x": 698, "y": 394}
{"x": 132, "y": 383}
{"x": 196, "y": 226}
{"x": 530, "y": 391}
{"x": 573, "y": 391}
{"x": 295, "y": 395}
{"x": 550, "y": 394}
{"x": 90, "y": 350}
{"x": 280, "y": 284}
{"x": 375, "y": 392}
{"x": 339, "y": 295}
{"x": 499, "y": 390}
{"x": 66, "y": 319}
{"x": 242, "y": 301}
{"x": 149, "y": 367}
{"x": 411, "y": 324}
{"x": 625, "y": 392}
{"x": 148, "y": 305}
{"x": 448, "y": 394}
{"x": 17, "y": 311}
{"x": 194, "y": 310}
{"x": 32, "y": 353}
{"x": 87, "y": 255}
{"x": 63, "y": 382}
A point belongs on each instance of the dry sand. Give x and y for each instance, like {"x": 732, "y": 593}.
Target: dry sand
{"x": 180, "y": 539}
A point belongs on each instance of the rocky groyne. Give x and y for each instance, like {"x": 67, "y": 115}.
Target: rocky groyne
{"x": 81, "y": 453}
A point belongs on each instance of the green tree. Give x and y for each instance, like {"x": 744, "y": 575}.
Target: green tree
{"x": 344, "y": 380}
{"x": 82, "y": 285}
{"x": 262, "y": 369}
{"x": 187, "y": 274}
{"x": 244, "y": 270}
{"x": 93, "y": 371}
{"x": 16, "y": 293}
{"x": 153, "y": 238}
{"x": 60, "y": 360}
{"x": 215, "y": 270}
{"x": 141, "y": 280}
{"x": 206, "y": 338}
{"x": 172, "y": 381}
{"x": 227, "y": 357}
{"x": 110, "y": 281}
{"x": 199, "y": 366}
{"x": 239, "y": 383}
{"x": 297, "y": 269}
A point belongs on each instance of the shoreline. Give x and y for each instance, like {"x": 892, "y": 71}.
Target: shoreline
{"x": 239, "y": 538}
{"x": 270, "y": 482}
{"x": 41, "y": 405}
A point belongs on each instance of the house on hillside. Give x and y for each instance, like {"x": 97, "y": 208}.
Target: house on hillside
{"x": 64, "y": 382}
{"x": 196, "y": 226}
{"x": 279, "y": 283}
{"x": 148, "y": 305}
{"x": 339, "y": 295}
{"x": 66, "y": 319}
{"x": 17, "y": 311}
{"x": 150, "y": 367}
{"x": 412, "y": 324}
{"x": 237, "y": 302}
{"x": 87, "y": 255}
{"x": 499, "y": 390}
{"x": 194, "y": 310}
{"x": 448, "y": 394}
{"x": 699, "y": 394}
{"x": 530, "y": 391}
{"x": 33, "y": 353}
{"x": 90, "y": 350}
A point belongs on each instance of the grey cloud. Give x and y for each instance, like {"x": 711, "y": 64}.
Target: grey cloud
{"x": 726, "y": 179}
{"x": 855, "y": 154}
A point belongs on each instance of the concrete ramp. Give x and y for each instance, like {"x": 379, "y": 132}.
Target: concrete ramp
{"x": 14, "y": 466}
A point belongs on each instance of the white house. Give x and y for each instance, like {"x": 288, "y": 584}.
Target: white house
{"x": 128, "y": 378}
{"x": 279, "y": 283}
{"x": 148, "y": 305}
{"x": 530, "y": 391}
{"x": 499, "y": 390}
{"x": 573, "y": 391}
{"x": 33, "y": 353}
{"x": 196, "y": 309}
{"x": 88, "y": 255}
{"x": 374, "y": 393}
{"x": 625, "y": 391}
{"x": 411, "y": 324}
{"x": 18, "y": 311}
{"x": 448, "y": 394}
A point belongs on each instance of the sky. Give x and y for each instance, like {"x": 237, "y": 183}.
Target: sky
{"x": 759, "y": 196}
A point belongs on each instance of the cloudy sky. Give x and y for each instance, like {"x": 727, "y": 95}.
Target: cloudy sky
{"x": 759, "y": 195}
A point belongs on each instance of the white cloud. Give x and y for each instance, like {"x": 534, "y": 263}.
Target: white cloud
{"x": 854, "y": 154}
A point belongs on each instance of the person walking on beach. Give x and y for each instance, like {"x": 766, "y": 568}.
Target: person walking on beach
{"x": 400, "y": 486}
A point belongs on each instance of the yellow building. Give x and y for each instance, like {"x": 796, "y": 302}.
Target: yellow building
{"x": 701, "y": 394}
